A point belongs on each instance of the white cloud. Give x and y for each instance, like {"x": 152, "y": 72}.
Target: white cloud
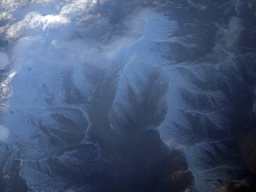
{"x": 78, "y": 7}
{"x": 34, "y": 20}
{"x": 12, "y": 5}
{"x": 42, "y": 1}
{"x": 54, "y": 20}
{"x": 5, "y": 15}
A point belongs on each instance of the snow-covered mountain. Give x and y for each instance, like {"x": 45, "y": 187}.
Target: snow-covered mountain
{"x": 107, "y": 95}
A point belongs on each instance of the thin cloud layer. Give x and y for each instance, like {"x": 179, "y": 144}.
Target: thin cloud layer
{"x": 227, "y": 38}
{"x": 4, "y": 60}
{"x": 3, "y": 133}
